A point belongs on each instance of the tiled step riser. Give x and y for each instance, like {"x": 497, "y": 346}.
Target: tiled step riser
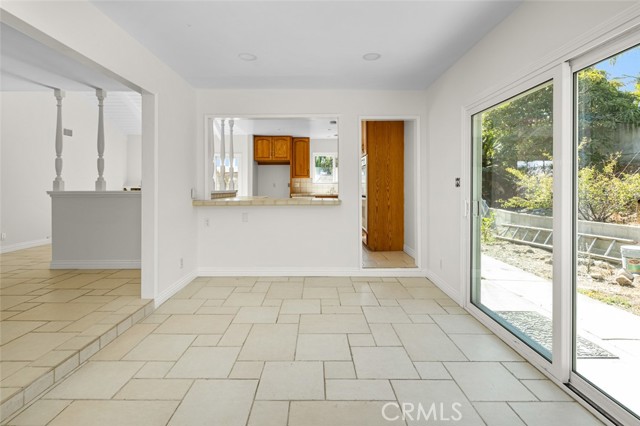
{"x": 59, "y": 372}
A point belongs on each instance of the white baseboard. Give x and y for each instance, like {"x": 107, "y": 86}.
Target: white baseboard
{"x": 310, "y": 272}
{"x": 174, "y": 288}
{"x": 411, "y": 252}
{"x": 442, "y": 285}
{"x": 27, "y": 244}
{"x": 95, "y": 264}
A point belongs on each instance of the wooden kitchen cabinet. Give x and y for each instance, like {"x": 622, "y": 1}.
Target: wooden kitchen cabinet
{"x": 385, "y": 186}
{"x": 300, "y": 158}
{"x": 272, "y": 149}
{"x": 261, "y": 148}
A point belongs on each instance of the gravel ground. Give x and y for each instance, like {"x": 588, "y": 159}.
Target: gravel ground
{"x": 538, "y": 262}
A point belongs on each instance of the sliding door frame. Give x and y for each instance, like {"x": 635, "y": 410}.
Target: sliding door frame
{"x": 559, "y": 351}
{"x": 578, "y": 382}
{"x": 614, "y": 36}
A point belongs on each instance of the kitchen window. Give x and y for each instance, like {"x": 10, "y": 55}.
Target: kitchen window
{"x": 325, "y": 167}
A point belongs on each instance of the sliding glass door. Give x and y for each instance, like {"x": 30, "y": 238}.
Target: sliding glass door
{"x": 512, "y": 211}
{"x": 573, "y": 143}
{"x": 607, "y": 254}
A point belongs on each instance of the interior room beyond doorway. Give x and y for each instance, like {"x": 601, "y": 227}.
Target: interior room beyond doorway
{"x": 388, "y": 193}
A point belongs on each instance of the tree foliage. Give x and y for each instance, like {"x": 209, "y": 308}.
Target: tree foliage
{"x": 517, "y": 144}
{"x": 604, "y": 194}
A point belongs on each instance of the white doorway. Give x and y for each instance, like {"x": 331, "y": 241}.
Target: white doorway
{"x": 389, "y": 195}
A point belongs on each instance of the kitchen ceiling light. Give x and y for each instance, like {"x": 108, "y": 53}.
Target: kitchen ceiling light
{"x": 371, "y": 56}
{"x": 247, "y": 56}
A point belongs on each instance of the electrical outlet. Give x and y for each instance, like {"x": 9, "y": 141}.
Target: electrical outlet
{"x": 3, "y": 236}
{"x": 245, "y": 217}
{"x": 206, "y": 222}
{"x": 181, "y": 264}
{"x": 440, "y": 263}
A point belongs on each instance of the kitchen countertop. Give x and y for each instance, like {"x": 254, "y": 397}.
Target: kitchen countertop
{"x": 267, "y": 201}
{"x": 312, "y": 194}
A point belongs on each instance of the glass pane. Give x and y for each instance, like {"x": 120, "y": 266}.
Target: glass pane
{"x": 607, "y": 299}
{"x": 513, "y": 215}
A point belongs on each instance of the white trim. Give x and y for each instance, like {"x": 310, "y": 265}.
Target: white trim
{"x": 606, "y": 50}
{"x": 440, "y": 283}
{"x": 94, "y": 194}
{"x": 562, "y": 354}
{"x": 149, "y": 203}
{"x": 309, "y": 272}
{"x": 603, "y": 402}
{"x": 24, "y": 245}
{"x": 174, "y": 288}
{"x": 411, "y": 252}
{"x": 95, "y": 264}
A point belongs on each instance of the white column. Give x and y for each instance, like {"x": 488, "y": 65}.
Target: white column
{"x": 58, "y": 183}
{"x": 223, "y": 185}
{"x": 212, "y": 156}
{"x": 231, "y": 184}
{"x": 101, "y": 184}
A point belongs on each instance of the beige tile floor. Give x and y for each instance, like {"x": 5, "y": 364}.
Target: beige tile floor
{"x": 53, "y": 320}
{"x": 305, "y": 352}
{"x": 386, "y": 259}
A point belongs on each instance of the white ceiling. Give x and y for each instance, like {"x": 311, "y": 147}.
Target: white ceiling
{"x": 309, "y": 44}
{"x": 314, "y": 128}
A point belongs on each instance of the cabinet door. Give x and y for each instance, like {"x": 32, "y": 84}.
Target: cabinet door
{"x": 261, "y": 148}
{"x": 281, "y": 148}
{"x": 300, "y": 167}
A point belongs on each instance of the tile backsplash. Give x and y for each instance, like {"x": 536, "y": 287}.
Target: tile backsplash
{"x": 307, "y": 186}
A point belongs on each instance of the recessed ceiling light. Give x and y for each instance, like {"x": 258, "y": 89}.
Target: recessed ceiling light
{"x": 247, "y": 56}
{"x": 371, "y": 56}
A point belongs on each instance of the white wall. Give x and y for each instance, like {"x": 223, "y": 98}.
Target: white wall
{"x": 134, "y": 160}
{"x": 300, "y": 238}
{"x": 273, "y": 180}
{"x": 169, "y": 226}
{"x": 28, "y": 152}
{"x": 96, "y": 230}
{"x": 410, "y": 229}
{"x": 533, "y": 31}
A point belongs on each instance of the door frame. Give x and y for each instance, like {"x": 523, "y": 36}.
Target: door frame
{"x": 602, "y": 42}
{"x": 419, "y": 235}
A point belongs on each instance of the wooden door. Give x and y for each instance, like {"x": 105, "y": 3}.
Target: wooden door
{"x": 363, "y": 141}
{"x": 300, "y": 155}
{"x": 262, "y": 148}
{"x": 385, "y": 185}
{"x": 281, "y": 148}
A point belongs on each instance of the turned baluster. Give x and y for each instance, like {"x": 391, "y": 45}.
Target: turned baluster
{"x": 58, "y": 183}
{"x": 101, "y": 184}
{"x": 231, "y": 184}
{"x": 223, "y": 183}
{"x": 212, "y": 154}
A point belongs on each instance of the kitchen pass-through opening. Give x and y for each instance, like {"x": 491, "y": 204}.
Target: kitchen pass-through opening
{"x": 388, "y": 196}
